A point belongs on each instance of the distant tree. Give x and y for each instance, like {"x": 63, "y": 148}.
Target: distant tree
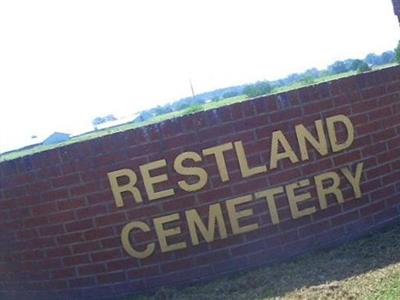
{"x": 314, "y": 73}
{"x": 257, "y": 89}
{"x": 337, "y": 67}
{"x": 349, "y": 64}
{"x": 143, "y": 116}
{"x": 309, "y": 76}
{"x": 356, "y": 64}
{"x": 363, "y": 67}
{"x": 291, "y": 79}
{"x": 388, "y": 57}
{"x": 307, "y": 79}
{"x": 229, "y": 94}
{"x": 373, "y": 59}
{"x": 397, "y": 53}
{"x": 193, "y": 109}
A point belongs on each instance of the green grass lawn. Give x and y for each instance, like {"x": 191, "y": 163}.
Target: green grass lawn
{"x": 157, "y": 119}
{"x": 365, "y": 269}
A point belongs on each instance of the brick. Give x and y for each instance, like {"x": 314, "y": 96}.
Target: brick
{"x": 369, "y": 128}
{"x": 61, "y": 217}
{"x": 373, "y": 92}
{"x": 378, "y": 171}
{"x": 214, "y": 195}
{"x": 106, "y": 255}
{"x": 79, "y": 225}
{"x": 177, "y": 265}
{"x": 76, "y": 260}
{"x": 86, "y": 247}
{"x": 66, "y": 180}
{"x": 82, "y": 282}
{"x": 285, "y": 114}
{"x": 98, "y": 233}
{"x": 113, "y": 242}
{"x": 344, "y": 218}
{"x": 34, "y": 222}
{"x": 380, "y": 113}
{"x": 284, "y": 176}
{"x": 111, "y": 278}
{"x": 347, "y": 157}
{"x": 394, "y": 154}
{"x": 43, "y": 209}
{"x": 91, "y": 269}
{"x": 317, "y": 107}
{"x": 144, "y": 272}
{"x": 71, "y": 203}
{"x": 58, "y": 252}
{"x": 386, "y": 215}
{"x": 110, "y": 219}
{"x": 70, "y": 238}
{"x": 63, "y": 273}
{"x": 180, "y": 141}
{"x": 121, "y": 264}
{"x": 51, "y": 230}
{"x": 372, "y": 208}
{"x": 55, "y": 195}
{"x": 313, "y": 229}
{"x": 27, "y": 234}
{"x": 383, "y": 192}
{"x": 84, "y": 189}
{"x": 391, "y": 178}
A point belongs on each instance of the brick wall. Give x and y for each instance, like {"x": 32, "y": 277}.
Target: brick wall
{"x": 60, "y": 228}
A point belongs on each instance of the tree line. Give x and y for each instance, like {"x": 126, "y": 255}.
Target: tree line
{"x": 264, "y": 87}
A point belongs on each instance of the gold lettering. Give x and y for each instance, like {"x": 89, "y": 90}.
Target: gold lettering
{"x": 126, "y": 243}
{"x": 243, "y": 164}
{"x": 150, "y": 181}
{"x": 334, "y": 189}
{"x": 215, "y": 218}
{"x": 279, "y": 138}
{"x": 294, "y": 200}
{"x": 330, "y": 123}
{"x": 118, "y": 189}
{"x": 235, "y": 216}
{"x": 163, "y": 233}
{"x": 218, "y": 152}
{"x": 304, "y": 135}
{"x": 269, "y": 196}
{"x": 354, "y": 180}
{"x": 190, "y": 171}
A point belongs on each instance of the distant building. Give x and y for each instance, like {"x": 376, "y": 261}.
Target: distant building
{"x": 55, "y": 138}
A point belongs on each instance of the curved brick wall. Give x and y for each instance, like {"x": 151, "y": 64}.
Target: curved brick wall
{"x": 61, "y": 229}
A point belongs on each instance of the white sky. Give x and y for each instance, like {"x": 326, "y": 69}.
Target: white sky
{"x": 62, "y": 63}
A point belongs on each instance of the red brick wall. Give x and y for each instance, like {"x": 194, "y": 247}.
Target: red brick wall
{"x": 60, "y": 229}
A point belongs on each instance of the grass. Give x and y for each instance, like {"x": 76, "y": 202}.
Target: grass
{"x": 365, "y": 269}
{"x": 157, "y": 119}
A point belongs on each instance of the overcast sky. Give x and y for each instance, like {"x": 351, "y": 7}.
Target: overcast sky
{"x": 62, "y": 63}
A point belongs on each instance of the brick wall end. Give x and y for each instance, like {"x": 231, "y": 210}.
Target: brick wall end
{"x": 61, "y": 230}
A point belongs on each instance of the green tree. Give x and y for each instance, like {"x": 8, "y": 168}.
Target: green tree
{"x": 337, "y": 68}
{"x": 363, "y": 67}
{"x": 356, "y": 64}
{"x": 397, "y": 52}
{"x": 257, "y": 89}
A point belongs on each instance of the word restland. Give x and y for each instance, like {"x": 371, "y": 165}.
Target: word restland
{"x": 124, "y": 182}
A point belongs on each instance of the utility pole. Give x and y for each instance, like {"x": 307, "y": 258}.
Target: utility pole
{"x": 191, "y": 87}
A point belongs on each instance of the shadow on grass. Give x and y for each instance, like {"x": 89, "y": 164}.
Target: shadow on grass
{"x": 373, "y": 252}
